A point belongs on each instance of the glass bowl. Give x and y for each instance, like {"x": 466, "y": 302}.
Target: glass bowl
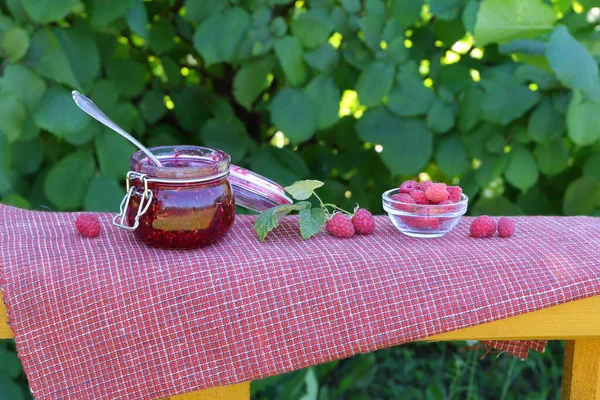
{"x": 423, "y": 220}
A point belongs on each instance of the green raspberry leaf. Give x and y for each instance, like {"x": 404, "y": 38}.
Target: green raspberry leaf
{"x": 302, "y": 190}
{"x": 311, "y": 222}
{"x": 269, "y": 219}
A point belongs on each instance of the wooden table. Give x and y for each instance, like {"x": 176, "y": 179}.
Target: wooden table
{"x": 577, "y": 322}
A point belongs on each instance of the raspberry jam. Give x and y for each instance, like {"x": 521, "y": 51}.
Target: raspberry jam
{"x": 186, "y": 203}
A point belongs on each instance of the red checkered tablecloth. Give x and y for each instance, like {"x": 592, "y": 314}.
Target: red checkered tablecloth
{"x": 109, "y": 318}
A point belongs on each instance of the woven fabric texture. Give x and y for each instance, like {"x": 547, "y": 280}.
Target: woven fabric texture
{"x": 108, "y": 318}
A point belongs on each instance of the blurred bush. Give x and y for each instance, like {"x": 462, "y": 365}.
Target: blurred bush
{"x": 502, "y": 96}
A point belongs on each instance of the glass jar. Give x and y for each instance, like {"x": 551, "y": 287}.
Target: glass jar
{"x": 185, "y": 203}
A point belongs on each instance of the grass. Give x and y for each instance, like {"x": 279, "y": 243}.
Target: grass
{"x": 433, "y": 371}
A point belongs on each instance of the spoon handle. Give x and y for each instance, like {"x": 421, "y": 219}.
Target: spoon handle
{"x": 93, "y": 111}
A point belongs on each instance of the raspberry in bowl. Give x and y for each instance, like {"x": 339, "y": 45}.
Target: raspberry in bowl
{"x": 425, "y": 214}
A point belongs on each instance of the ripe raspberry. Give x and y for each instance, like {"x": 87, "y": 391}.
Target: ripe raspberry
{"x": 418, "y": 196}
{"x": 403, "y": 198}
{"x": 88, "y": 225}
{"x": 340, "y": 226}
{"x": 444, "y": 210}
{"x": 424, "y": 222}
{"x": 506, "y": 227}
{"x": 455, "y": 193}
{"x": 408, "y": 186}
{"x": 363, "y": 221}
{"x": 436, "y": 193}
{"x": 424, "y": 185}
{"x": 483, "y": 226}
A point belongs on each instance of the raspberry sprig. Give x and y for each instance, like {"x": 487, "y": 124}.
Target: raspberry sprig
{"x": 337, "y": 221}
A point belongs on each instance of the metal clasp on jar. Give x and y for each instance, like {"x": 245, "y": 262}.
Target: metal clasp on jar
{"x": 145, "y": 201}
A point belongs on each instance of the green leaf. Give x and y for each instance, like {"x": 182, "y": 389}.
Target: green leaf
{"x": 522, "y": 170}
{"x": 283, "y": 166}
{"x": 398, "y": 51}
{"x": 591, "y": 167}
{"x": 325, "y": 97}
{"x": 582, "y": 196}
{"x": 43, "y": 11}
{"x": 505, "y": 100}
{"x": 302, "y": 190}
{"x": 311, "y": 222}
{"x": 490, "y": 169}
{"x": 312, "y": 28}
{"x": 172, "y": 70}
{"x": 583, "y": 120}
{"x": 323, "y": 58}
{"x": 496, "y": 206}
{"x": 80, "y": 51}
{"x": 553, "y": 158}
{"x": 470, "y": 108}
{"x": 27, "y": 155}
{"x": 137, "y": 18}
{"x": 128, "y": 75}
{"x": 529, "y": 73}
{"x": 407, "y": 144}
{"x": 352, "y": 6}
{"x": 16, "y": 9}
{"x": 50, "y": 60}
{"x": 18, "y": 201}
{"x": 469, "y": 15}
{"x": 440, "y": 118}
{"x": 191, "y": 108}
{"x": 68, "y": 180}
{"x": 357, "y": 54}
{"x": 375, "y": 7}
{"x": 152, "y": 106}
{"x": 13, "y": 117}
{"x": 228, "y": 135}
{"x": 162, "y": 34}
{"x": 105, "y": 94}
{"x": 252, "y": 79}
{"x": 124, "y": 114}
{"x": 524, "y": 46}
{"x": 20, "y": 82}
{"x": 455, "y": 77}
{"x": 545, "y": 124}
{"x": 371, "y": 26}
{"x": 57, "y": 113}
{"x": 278, "y": 27}
{"x": 500, "y": 21}
{"x": 293, "y": 113}
{"x": 374, "y": 83}
{"x": 14, "y": 43}
{"x": 218, "y": 37}
{"x": 407, "y": 12}
{"x": 6, "y": 23}
{"x": 198, "y": 11}
{"x": 114, "y": 153}
{"x": 269, "y": 219}
{"x": 451, "y": 157}
{"x": 445, "y": 9}
{"x": 411, "y": 98}
{"x": 289, "y": 53}
{"x": 573, "y": 64}
{"x": 103, "y": 195}
{"x": 106, "y": 11}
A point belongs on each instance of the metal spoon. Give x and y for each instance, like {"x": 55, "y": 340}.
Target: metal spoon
{"x": 93, "y": 111}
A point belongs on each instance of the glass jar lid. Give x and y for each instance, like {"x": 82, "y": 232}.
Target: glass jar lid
{"x": 254, "y": 191}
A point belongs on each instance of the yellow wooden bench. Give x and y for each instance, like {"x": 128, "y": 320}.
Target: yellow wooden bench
{"x": 578, "y": 322}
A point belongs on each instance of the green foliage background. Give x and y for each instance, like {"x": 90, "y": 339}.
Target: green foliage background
{"x": 500, "y": 96}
